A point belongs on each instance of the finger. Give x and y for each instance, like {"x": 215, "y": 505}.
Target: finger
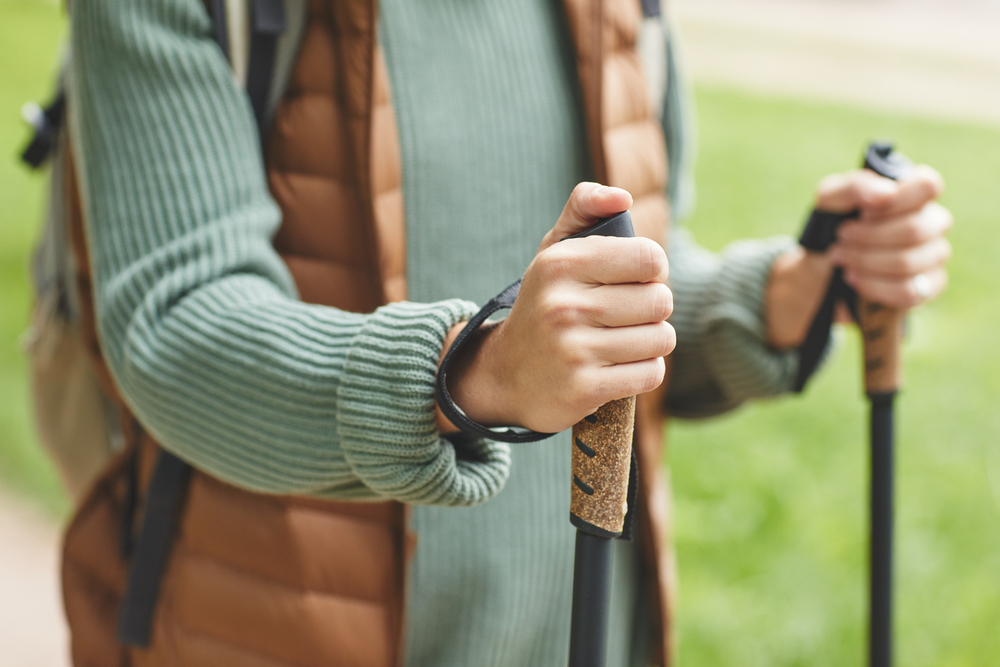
{"x": 629, "y": 305}
{"x": 623, "y": 380}
{"x": 918, "y": 188}
{"x": 899, "y": 292}
{"x": 841, "y": 193}
{"x": 588, "y": 203}
{"x": 605, "y": 260}
{"x": 904, "y": 263}
{"x": 624, "y": 345}
{"x": 930, "y": 222}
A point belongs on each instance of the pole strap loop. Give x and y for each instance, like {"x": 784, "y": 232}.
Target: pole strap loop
{"x": 448, "y": 406}
{"x": 819, "y": 234}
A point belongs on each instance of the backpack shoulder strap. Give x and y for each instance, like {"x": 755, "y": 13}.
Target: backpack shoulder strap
{"x": 267, "y": 23}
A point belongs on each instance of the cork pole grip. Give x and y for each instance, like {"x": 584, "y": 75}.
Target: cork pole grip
{"x": 882, "y": 332}
{"x": 602, "y": 453}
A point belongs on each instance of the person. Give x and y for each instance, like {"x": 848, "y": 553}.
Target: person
{"x": 274, "y": 316}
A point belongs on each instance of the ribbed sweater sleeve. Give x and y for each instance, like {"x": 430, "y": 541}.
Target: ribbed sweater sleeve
{"x": 722, "y": 357}
{"x": 197, "y": 314}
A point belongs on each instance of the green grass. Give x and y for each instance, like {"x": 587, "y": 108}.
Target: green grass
{"x": 30, "y": 33}
{"x": 771, "y": 501}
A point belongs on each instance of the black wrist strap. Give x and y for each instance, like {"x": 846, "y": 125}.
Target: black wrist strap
{"x": 819, "y": 234}
{"x": 454, "y": 413}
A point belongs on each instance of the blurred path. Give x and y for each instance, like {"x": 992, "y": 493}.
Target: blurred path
{"x": 32, "y": 630}
{"x": 938, "y": 58}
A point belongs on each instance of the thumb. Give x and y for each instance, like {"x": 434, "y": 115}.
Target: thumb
{"x": 841, "y": 193}
{"x": 589, "y": 203}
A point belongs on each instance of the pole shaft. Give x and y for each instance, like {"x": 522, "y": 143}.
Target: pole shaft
{"x": 880, "y": 584}
{"x": 591, "y": 597}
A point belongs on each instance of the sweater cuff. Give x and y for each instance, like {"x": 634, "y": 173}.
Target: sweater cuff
{"x": 385, "y": 412}
{"x": 734, "y": 324}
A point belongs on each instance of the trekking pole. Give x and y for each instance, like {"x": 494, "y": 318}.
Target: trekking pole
{"x": 882, "y": 333}
{"x": 599, "y": 495}
{"x": 603, "y": 475}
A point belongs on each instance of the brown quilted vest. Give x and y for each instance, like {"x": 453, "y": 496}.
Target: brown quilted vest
{"x": 265, "y": 581}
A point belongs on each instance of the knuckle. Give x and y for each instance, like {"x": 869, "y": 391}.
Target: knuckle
{"x": 905, "y": 263}
{"x": 932, "y": 183}
{"x": 558, "y": 312}
{"x": 660, "y": 339}
{"x": 913, "y": 231}
{"x": 913, "y": 235}
{"x": 856, "y": 185}
{"x": 650, "y": 258}
{"x": 855, "y": 189}
{"x": 669, "y": 341}
{"x": 663, "y": 303}
{"x": 946, "y": 250}
{"x": 829, "y": 186}
{"x": 590, "y": 392}
{"x": 652, "y": 375}
{"x": 555, "y": 262}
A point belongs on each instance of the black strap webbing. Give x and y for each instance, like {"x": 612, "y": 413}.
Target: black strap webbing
{"x": 503, "y": 300}
{"x": 152, "y": 550}
{"x": 818, "y": 236}
{"x": 46, "y": 122}
{"x": 220, "y": 27}
{"x": 268, "y": 20}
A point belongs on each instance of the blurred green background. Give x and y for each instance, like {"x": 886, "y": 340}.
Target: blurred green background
{"x": 770, "y": 502}
{"x": 30, "y": 35}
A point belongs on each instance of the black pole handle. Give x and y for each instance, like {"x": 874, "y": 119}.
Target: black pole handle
{"x": 602, "y": 450}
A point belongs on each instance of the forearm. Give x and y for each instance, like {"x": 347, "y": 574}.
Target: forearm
{"x": 723, "y": 355}
{"x": 198, "y": 315}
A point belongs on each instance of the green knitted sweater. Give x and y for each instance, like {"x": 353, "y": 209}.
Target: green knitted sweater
{"x": 201, "y": 326}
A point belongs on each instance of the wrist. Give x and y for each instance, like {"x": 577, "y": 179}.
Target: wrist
{"x": 796, "y": 285}
{"x": 472, "y": 382}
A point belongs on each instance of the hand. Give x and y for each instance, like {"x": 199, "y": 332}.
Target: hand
{"x": 897, "y": 240}
{"x": 589, "y": 326}
{"x": 898, "y": 237}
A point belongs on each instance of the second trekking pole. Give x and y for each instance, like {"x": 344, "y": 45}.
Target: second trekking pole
{"x": 882, "y": 333}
